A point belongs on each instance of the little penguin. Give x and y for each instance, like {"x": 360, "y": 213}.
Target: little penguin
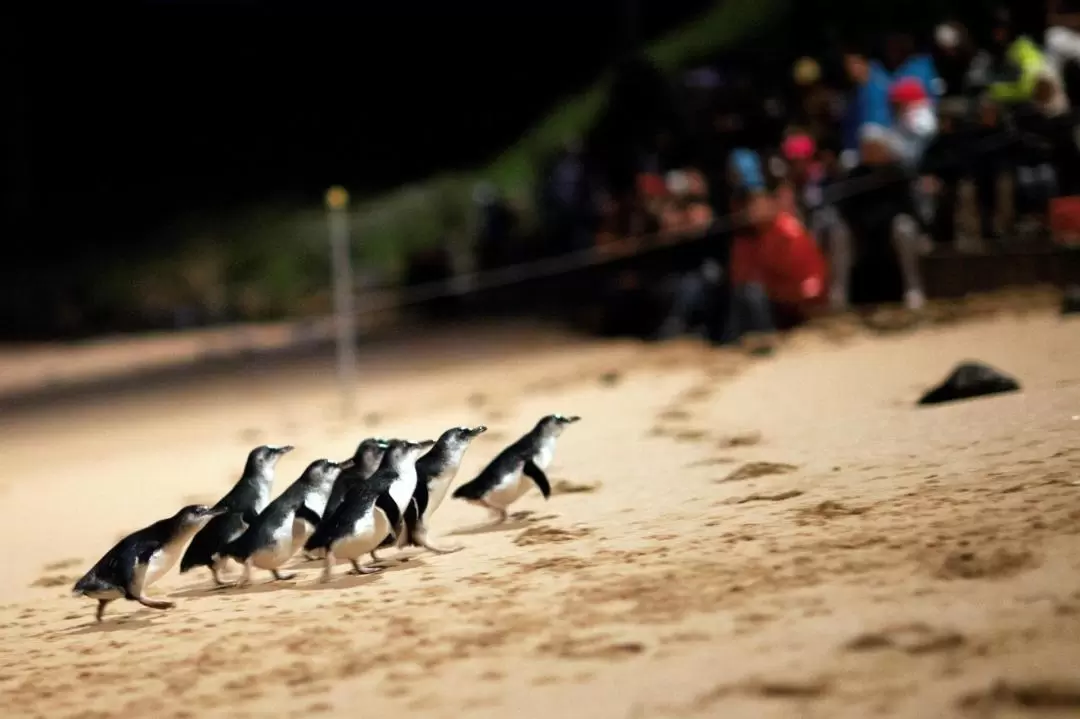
{"x": 242, "y": 505}
{"x": 366, "y": 460}
{"x": 287, "y": 522}
{"x": 435, "y": 472}
{"x": 503, "y": 481}
{"x": 143, "y": 557}
{"x": 371, "y": 511}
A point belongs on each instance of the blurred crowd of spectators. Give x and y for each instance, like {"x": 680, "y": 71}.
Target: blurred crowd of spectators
{"x": 849, "y": 162}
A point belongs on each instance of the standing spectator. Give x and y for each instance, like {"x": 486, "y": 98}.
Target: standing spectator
{"x": 916, "y": 123}
{"x": 903, "y": 62}
{"x": 1017, "y": 63}
{"x": 869, "y": 101}
{"x": 878, "y": 207}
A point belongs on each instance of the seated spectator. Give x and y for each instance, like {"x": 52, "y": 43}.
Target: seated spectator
{"x": 878, "y": 205}
{"x": 686, "y": 209}
{"x": 774, "y": 261}
{"x": 800, "y": 191}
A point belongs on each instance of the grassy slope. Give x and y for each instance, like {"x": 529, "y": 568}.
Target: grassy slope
{"x": 416, "y": 214}
{"x": 271, "y": 261}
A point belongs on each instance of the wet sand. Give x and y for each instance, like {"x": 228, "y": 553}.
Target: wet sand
{"x": 770, "y": 537}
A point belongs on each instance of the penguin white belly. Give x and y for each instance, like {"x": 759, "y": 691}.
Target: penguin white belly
{"x": 316, "y": 502}
{"x": 161, "y": 562}
{"x": 262, "y": 499}
{"x": 402, "y": 490}
{"x": 437, "y": 489}
{"x": 366, "y": 534}
{"x": 509, "y": 490}
{"x": 301, "y": 531}
{"x": 278, "y": 551}
{"x": 545, "y": 454}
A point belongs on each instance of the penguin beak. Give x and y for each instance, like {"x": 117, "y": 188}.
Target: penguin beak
{"x": 478, "y": 430}
{"x": 347, "y": 464}
{"x": 571, "y": 419}
{"x": 216, "y": 512}
{"x": 426, "y": 444}
{"x": 285, "y": 449}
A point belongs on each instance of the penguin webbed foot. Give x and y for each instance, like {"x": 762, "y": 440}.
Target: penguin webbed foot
{"x": 100, "y": 613}
{"x": 279, "y": 576}
{"x": 220, "y": 583}
{"x": 360, "y": 570}
{"x": 155, "y": 603}
{"x": 421, "y": 540}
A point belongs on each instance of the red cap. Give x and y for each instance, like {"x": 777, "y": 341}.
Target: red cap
{"x": 907, "y": 89}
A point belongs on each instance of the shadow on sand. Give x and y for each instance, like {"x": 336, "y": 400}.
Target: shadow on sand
{"x": 304, "y": 582}
{"x": 121, "y": 623}
{"x": 488, "y": 527}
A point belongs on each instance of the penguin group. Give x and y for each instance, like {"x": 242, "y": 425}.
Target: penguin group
{"x": 382, "y": 497}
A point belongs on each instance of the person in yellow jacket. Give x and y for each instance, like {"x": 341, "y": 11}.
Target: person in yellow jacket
{"x": 1024, "y": 64}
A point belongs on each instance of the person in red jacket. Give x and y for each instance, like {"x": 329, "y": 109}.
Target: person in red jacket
{"x": 778, "y": 254}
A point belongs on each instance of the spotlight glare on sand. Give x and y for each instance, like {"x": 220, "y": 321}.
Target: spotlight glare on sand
{"x": 337, "y": 201}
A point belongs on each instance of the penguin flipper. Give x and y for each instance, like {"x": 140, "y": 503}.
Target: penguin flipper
{"x": 537, "y": 475}
{"x": 309, "y": 515}
{"x": 200, "y": 553}
{"x": 123, "y": 568}
{"x": 420, "y": 499}
{"x": 412, "y": 519}
{"x": 393, "y": 515}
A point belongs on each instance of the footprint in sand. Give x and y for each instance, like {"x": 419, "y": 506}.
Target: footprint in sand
{"x": 62, "y": 564}
{"x": 600, "y": 646}
{"x": 757, "y": 497}
{"x": 1063, "y": 693}
{"x": 563, "y": 486}
{"x": 914, "y": 638}
{"x": 674, "y": 415}
{"x": 710, "y": 462}
{"x": 746, "y": 439}
{"x": 549, "y": 535}
{"x": 55, "y": 580}
{"x": 830, "y": 509}
{"x": 984, "y": 563}
{"x": 753, "y": 470}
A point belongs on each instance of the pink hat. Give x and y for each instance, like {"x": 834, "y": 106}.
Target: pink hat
{"x": 798, "y": 147}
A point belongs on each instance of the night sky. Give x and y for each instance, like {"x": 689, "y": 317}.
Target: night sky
{"x": 119, "y": 120}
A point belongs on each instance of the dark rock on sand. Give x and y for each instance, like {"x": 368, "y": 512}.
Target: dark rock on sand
{"x": 970, "y": 379}
{"x": 1070, "y": 303}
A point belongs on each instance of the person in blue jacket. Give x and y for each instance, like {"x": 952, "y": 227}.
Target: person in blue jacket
{"x": 869, "y": 102}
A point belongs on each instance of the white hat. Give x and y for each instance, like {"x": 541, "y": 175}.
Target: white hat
{"x": 947, "y": 36}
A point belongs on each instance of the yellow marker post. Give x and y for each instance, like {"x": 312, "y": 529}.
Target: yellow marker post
{"x": 337, "y": 205}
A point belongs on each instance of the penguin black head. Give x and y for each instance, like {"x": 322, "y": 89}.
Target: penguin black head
{"x": 402, "y": 450}
{"x": 370, "y": 451}
{"x": 556, "y": 423}
{"x": 460, "y": 436}
{"x": 264, "y": 458}
{"x": 323, "y": 472}
{"x": 196, "y": 515}
{"x": 268, "y": 455}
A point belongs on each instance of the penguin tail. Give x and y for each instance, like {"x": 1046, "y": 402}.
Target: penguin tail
{"x": 465, "y": 491}
{"x": 88, "y": 583}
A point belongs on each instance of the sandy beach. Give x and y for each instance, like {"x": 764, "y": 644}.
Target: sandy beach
{"x": 730, "y": 536}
